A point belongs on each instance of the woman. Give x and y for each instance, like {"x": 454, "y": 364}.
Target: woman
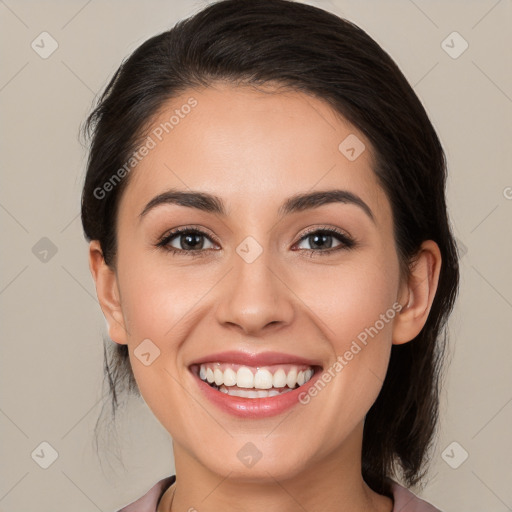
{"x": 265, "y": 205}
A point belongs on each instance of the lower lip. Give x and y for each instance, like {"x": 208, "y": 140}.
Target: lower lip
{"x": 255, "y": 407}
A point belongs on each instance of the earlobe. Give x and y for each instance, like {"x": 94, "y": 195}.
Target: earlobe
{"x": 417, "y": 293}
{"x": 108, "y": 293}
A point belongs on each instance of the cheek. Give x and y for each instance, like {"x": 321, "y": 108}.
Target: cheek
{"x": 161, "y": 307}
{"x": 357, "y": 306}
{"x": 352, "y": 298}
{"x": 158, "y": 297}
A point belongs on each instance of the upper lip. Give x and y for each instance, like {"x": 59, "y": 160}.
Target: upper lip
{"x": 255, "y": 359}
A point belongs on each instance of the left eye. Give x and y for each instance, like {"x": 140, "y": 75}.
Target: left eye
{"x": 323, "y": 239}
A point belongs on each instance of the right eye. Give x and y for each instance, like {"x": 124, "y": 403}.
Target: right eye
{"x": 185, "y": 240}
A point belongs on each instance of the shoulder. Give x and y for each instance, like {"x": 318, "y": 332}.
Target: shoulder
{"x": 407, "y": 501}
{"x": 149, "y": 502}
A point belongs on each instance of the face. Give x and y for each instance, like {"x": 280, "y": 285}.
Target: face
{"x": 258, "y": 289}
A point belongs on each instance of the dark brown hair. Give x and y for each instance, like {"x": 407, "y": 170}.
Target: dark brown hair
{"x": 309, "y": 50}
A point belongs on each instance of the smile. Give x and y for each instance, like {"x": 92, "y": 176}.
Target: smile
{"x": 254, "y": 382}
{"x": 254, "y": 385}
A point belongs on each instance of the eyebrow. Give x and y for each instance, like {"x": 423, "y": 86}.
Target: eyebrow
{"x": 299, "y": 202}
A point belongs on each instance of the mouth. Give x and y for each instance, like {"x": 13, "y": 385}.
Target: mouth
{"x": 254, "y": 385}
{"x": 252, "y": 382}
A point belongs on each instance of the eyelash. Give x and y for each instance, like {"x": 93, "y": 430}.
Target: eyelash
{"x": 346, "y": 241}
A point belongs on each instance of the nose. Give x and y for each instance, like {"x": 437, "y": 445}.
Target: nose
{"x": 255, "y": 298}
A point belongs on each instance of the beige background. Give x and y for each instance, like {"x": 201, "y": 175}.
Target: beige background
{"x": 51, "y": 348}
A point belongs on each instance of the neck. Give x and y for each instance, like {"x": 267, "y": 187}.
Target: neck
{"x": 332, "y": 484}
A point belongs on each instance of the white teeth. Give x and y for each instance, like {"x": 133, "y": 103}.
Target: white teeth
{"x": 249, "y": 378}
{"x": 291, "y": 378}
{"x": 279, "y": 379}
{"x": 263, "y": 379}
{"x": 219, "y": 376}
{"x": 229, "y": 377}
{"x": 244, "y": 377}
{"x": 252, "y": 393}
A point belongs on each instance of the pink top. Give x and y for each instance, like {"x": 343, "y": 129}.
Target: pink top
{"x": 404, "y": 500}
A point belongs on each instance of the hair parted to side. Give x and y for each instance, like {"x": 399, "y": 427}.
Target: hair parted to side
{"x": 306, "y": 49}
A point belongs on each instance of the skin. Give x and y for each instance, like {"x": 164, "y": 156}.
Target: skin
{"x": 254, "y": 149}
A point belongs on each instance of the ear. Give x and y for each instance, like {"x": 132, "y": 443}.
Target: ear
{"x": 417, "y": 293}
{"x": 108, "y": 293}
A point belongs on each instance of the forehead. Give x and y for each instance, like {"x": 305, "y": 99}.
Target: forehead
{"x": 252, "y": 147}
